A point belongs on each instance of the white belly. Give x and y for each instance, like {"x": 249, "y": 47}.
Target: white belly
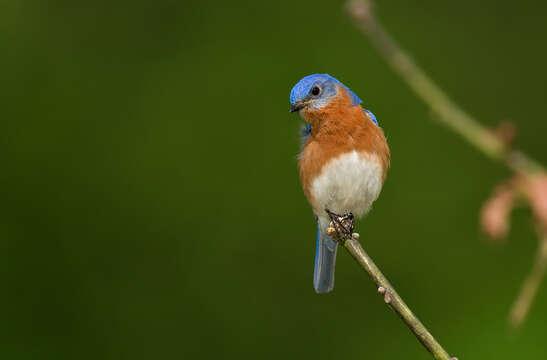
{"x": 349, "y": 183}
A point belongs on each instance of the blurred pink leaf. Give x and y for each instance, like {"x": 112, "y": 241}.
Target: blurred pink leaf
{"x": 494, "y": 217}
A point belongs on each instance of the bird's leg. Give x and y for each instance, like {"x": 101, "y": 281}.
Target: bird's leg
{"x": 341, "y": 224}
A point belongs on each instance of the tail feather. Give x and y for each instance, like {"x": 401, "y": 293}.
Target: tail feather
{"x": 325, "y": 259}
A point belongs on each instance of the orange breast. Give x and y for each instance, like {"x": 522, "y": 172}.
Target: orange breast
{"x": 336, "y": 129}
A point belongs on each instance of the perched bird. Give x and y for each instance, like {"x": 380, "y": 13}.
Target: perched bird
{"x": 343, "y": 162}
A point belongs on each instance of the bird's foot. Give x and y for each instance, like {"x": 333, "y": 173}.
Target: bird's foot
{"x": 340, "y": 225}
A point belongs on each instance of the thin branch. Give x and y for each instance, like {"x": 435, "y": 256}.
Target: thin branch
{"x": 446, "y": 111}
{"x": 529, "y": 289}
{"x": 393, "y": 299}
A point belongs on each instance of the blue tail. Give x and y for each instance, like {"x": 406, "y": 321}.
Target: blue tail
{"x": 325, "y": 259}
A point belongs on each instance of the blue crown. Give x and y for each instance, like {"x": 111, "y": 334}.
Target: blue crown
{"x": 303, "y": 87}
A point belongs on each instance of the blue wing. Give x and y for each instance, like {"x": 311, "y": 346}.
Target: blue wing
{"x": 371, "y": 116}
{"x": 305, "y": 133}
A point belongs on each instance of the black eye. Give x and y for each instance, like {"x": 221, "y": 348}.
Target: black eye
{"x": 315, "y": 90}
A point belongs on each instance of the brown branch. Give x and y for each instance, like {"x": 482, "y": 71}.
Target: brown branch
{"x": 446, "y": 111}
{"x": 351, "y": 244}
{"x": 530, "y": 286}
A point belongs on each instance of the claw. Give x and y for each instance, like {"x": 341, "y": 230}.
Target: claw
{"x": 341, "y": 224}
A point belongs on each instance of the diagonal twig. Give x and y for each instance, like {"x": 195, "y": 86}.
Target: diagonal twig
{"x": 530, "y": 286}
{"x": 352, "y": 245}
{"x": 446, "y": 111}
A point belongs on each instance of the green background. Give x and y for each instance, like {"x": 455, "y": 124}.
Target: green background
{"x": 150, "y": 201}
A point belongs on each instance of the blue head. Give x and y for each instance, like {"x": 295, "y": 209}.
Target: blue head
{"x": 316, "y": 91}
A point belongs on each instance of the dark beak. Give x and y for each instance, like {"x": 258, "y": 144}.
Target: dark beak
{"x": 296, "y": 107}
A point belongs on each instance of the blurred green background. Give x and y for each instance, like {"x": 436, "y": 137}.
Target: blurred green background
{"x": 151, "y": 206}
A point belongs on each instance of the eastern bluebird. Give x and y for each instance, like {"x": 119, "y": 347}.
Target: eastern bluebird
{"x": 343, "y": 162}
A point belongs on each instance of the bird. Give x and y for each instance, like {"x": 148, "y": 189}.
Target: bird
{"x": 342, "y": 164}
